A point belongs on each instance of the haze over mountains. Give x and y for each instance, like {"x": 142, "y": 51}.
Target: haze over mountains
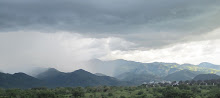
{"x": 117, "y": 67}
{"x": 53, "y": 78}
{"x": 116, "y": 72}
{"x": 69, "y": 43}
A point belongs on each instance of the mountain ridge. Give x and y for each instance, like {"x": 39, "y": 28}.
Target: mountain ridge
{"x": 206, "y": 77}
{"x": 55, "y": 78}
{"x": 156, "y": 68}
{"x": 79, "y": 77}
{"x": 181, "y": 75}
{"x": 124, "y": 73}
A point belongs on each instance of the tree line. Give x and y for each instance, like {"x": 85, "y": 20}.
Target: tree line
{"x": 180, "y": 91}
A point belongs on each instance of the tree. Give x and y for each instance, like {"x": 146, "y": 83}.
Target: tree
{"x": 78, "y": 92}
{"x": 184, "y": 86}
{"x": 214, "y": 93}
{"x": 2, "y": 92}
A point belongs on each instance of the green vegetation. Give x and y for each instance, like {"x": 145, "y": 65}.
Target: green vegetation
{"x": 195, "y": 68}
{"x": 181, "y": 75}
{"x": 181, "y": 91}
{"x": 206, "y": 77}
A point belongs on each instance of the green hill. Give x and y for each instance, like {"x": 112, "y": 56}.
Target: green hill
{"x": 137, "y": 79}
{"x": 19, "y": 80}
{"x": 181, "y": 75}
{"x": 54, "y": 78}
{"x": 206, "y": 77}
{"x": 161, "y": 69}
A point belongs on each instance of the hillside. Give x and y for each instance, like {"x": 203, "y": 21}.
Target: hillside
{"x": 209, "y": 65}
{"x": 19, "y": 80}
{"x": 54, "y": 78}
{"x": 137, "y": 71}
{"x": 134, "y": 73}
{"x": 99, "y": 74}
{"x": 181, "y": 75}
{"x": 117, "y": 67}
{"x": 206, "y": 77}
{"x": 137, "y": 79}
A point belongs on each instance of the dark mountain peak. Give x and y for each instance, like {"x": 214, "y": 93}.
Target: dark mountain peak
{"x": 23, "y": 76}
{"x": 49, "y": 73}
{"x": 52, "y": 70}
{"x": 80, "y": 71}
{"x": 20, "y": 74}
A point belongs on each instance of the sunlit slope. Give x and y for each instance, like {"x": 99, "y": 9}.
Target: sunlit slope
{"x": 195, "y": 68}
{"x": 118, "y": 67}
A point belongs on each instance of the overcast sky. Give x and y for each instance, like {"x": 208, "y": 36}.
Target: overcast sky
{"x": 65, "y": 33}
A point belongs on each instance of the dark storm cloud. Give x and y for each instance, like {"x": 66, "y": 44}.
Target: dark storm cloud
{"x": 147, "y": 22}
{"x": 65, "y": 33}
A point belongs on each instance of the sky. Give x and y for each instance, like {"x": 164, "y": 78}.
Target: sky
{"x": 65, "y": 33}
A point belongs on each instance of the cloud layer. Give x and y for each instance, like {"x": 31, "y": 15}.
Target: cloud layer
{"x": 62, "y": 34}
{"x": 65, "y": 51}
{"x": 150, "y": 23}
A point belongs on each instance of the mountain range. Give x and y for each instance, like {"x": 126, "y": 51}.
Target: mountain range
{"x": 117, "y": 67}
{"x": 115, "y": 73}
{"x": 138, "y": 72}
{"x": 53, "y": 78}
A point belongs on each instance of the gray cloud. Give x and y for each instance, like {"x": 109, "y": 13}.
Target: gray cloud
{"x": 65, "y": 33}
{"x": 150, "y": 23}
{"x": 21, "y": 51}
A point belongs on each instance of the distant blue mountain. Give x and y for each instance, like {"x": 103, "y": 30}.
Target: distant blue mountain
{"x": 209, "y": 65}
